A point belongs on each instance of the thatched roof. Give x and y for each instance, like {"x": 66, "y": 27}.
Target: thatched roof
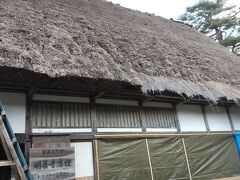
{"x": 97, "y": 39}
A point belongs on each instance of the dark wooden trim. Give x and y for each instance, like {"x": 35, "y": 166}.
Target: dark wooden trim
{"x": 28, "y": 125}
{"x": 99, "y": 95}
{"x": 58, "y": 102}
{"x": 203, "y": 109}
{"x": 95, "y": 160}
{"x": 82, "y": 136}
{"x": 164, "y": 97}
{"x": 93, "y": 114}
{"x": 230, "y": 118}
{"x": 141, "y": 114}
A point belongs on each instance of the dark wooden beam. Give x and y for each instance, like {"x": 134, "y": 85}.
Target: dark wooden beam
{"x": 141, "y": 115}
{"x": 28, "y": 125}
{"x": 93, "y": 115}
{"x": 100, "y": 94}
{"x": 230, "y": 118}
{"x": 82, "y": 137}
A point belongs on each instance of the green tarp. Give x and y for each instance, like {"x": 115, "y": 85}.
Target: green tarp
{"x": 209, "y": 156}
{"x": 123, "y": 160}
{"x": 168, "y": 158}
{"x": 212, "y": 156}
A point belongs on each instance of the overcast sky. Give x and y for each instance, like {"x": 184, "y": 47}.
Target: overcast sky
{"x": 165, "y": 8}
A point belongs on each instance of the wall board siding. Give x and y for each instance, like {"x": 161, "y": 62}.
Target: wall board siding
{"x": 58, "y": 115}
{"x": 159, "y": 117}
{"x": 115, "y": 116}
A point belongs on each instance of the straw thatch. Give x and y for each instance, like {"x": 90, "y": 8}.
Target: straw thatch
{"x": 97, "y": 39}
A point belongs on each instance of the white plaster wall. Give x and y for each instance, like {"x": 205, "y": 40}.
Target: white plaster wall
{"x": 161, "y": 130}
{"x": 235, "y": 114}
{"x": 61, "y": 130}
{"x": 15, "y": 107}
{"x": 191, "y": 118}
{"x": 218, "y": 119}
{"x": 83, "y": 159}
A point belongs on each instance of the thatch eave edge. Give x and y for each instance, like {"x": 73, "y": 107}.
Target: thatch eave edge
{"x": 210, "y": 90}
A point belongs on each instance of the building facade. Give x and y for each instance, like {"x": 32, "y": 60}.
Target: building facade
{"x": 98, "y": 128}
{"x": 97, "y": 91}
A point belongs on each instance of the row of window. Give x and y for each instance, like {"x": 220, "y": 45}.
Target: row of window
{"x": 73, "y": 115}
{"x": 190, "y": 117}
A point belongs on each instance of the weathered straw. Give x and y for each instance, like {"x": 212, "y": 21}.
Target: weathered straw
{"x": 97, "y": 39}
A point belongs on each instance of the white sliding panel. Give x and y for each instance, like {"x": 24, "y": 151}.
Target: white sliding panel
{"x": 15, "y": 107}
{"x": 218, "y": 119}
{"x": 191, "y": 118}
{"x": 83, "y": 160}
{"x": 235, "y": 114}
{"x": 162, "y": 130}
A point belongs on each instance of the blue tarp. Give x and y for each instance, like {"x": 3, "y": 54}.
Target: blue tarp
{"x": 237, "y": 138}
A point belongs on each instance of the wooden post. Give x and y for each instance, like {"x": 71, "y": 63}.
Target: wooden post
{"x": 230, "y": 119}
{"x": 93, "y": 115}
{"x": 96, "y": 160}
{"x": 141, "y": 116}
{"x": 149, "y": 159}
{"x": 186, "y": 157}
{"x": 28, "y": 125}
{"x": 176, "y": 118}
{"x": 94, "y": 124}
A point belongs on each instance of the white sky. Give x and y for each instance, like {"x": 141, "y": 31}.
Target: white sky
{"x": 165, "y": 8}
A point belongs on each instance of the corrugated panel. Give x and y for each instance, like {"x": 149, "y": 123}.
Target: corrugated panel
{"x": 55, "y": 115}
{"x": 159, "y": 117}
{"x": 117, "y": 116}
{"x": 83, "y": 159}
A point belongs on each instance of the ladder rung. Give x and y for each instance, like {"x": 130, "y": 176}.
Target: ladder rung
{"x": 6, "y": 163}
{"x": 14, "y": 140}
{"x": 25, "y": 168}
{"x": 3, "y": 113}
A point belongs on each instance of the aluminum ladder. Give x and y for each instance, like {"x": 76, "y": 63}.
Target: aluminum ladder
{"x": 16, "y": 159}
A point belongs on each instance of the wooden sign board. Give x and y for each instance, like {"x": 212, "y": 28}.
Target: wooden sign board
{"x": 50, "y": 141}
{"x": 52, "y": 163}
